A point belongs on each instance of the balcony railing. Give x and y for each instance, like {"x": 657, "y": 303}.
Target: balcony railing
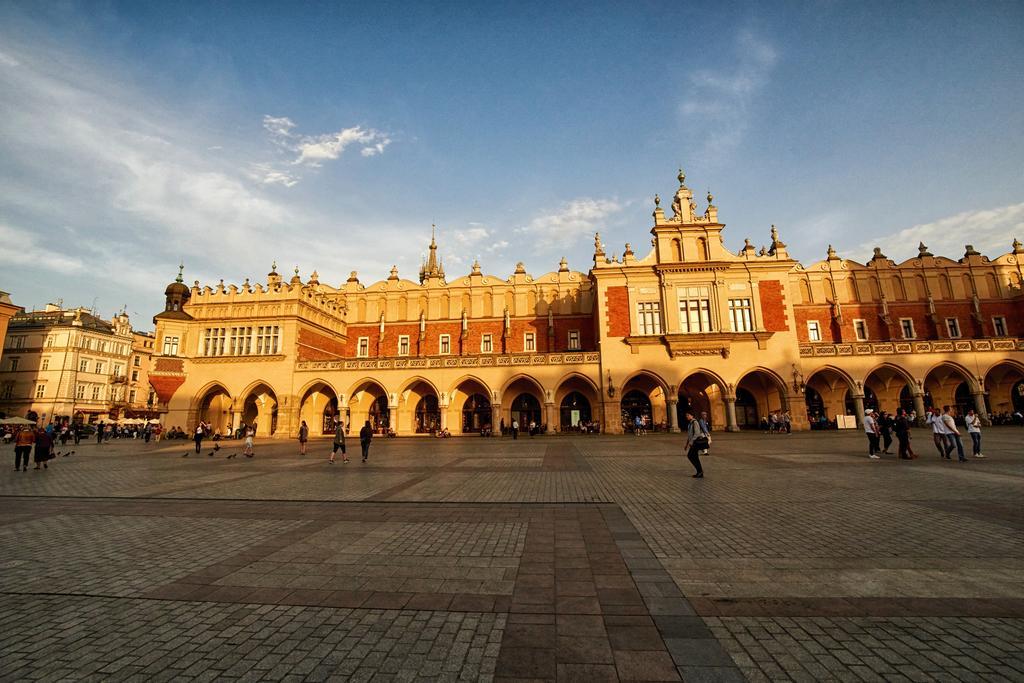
{"x": 475, "y": 361}
{"x": 820, "y": 349}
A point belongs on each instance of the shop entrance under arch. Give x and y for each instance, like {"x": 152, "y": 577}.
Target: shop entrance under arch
{"x": 574, "y": 409}
{"x": 526, "y": 409}
{"x": 427, "y": 415}
{"x": 476, "y": 413}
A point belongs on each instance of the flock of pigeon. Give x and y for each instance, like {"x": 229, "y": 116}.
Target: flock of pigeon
{"x": 216, "y": 447}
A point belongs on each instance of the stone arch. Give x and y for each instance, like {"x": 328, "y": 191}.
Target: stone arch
{"x": 367, "y": 399}
{"x": 419, "y": 407}
{"x": 214, "y": 406}
{"x": 259, "y": 407}
{"x": 318, "y": 406}
{"x": 470, "y": 405}
{"x": 767, "y": 394}
{"x": 644, "y": 394}
{"x": 805, "y": 291}
{"x": 702, "y": 249}
{"x": 942, "y": 381}
{"x": 1004, "y": 389}
{"x": 892, "y": 386}
{"x": 577, "y": 399}
{"x": 677, "y": 250}
{"x": 825, "y": 394}
{"x": 524, "y": 398}
{"x": 702, "y": 391}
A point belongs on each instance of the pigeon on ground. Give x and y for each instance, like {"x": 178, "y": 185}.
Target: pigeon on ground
{"x": 186, "y": 454}
{"x": 232, "y": 455}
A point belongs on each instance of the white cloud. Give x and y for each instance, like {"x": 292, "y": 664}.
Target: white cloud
{"x": 990, "y": 231}
{"x": 22, "y": 248}
{"x": 313, "y": 150}
{"x": 570, "y": 222}
{"x": 718, "y": 102}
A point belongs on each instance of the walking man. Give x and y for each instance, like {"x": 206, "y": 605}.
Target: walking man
{"x": 872, "y": 432}
{"x": 974, "y": 429}
{"x": 365, "y": 437}
{"x": 902, "y": 429}
{"x": 515, "y": 428}
{"x": 339, "y": 440}
{"x": 953, "y": 434}
{"x": 939, "y": 433}
{"x": 697, "y": 440}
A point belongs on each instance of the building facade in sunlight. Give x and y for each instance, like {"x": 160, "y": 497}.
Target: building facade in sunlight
{"x": 688, "y": 324}
{"x": 68, "y": 364}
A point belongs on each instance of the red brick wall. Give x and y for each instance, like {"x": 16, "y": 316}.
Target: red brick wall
{"x": 169, "y": 365}
{"x": 617, "y": 310}
{"x": 917, "y": 311}
{"x": 474, "y": 335}
{"x": 315, "y": 346}
{"x": 773, "y": 305}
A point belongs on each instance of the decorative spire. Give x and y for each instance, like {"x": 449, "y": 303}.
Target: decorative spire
{"x": 682, "y": 178}
{"x": 353, "y": 277}
{"x": 476, "y": 267}
{"x": 394, "y": 273}
{"x": 520, "y": 268}
{"x": 314, "y": 278}
{"x": 432, "y": 267}
{"x": 628, "y": 252}
{"x": 1018, "y": 248}
{"x": 563, "y": 265}
{"x": 657, "y": 201}
{"x": 922, "y": 250}
{"x": 273, "y": 266}
{"x": 878, "y": 254}
{"x": 711, "y": 197}
{"x": 831, "y": 253}
{"x": 181, "y": 269}
{"x": 969, "y": 250}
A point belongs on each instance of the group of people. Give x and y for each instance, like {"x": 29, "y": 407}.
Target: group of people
{"x": 29, "y": 437}
{"x": 881, "y": 427}
{"x": 777, "y": 422}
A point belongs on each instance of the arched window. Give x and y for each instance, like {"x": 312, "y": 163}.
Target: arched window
{"x": 702, "y": 249}
{"x": 677, "y": 250}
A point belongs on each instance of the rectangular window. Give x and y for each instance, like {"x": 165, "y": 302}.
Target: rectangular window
{"x": 99, "y": 368}
{"x": 813, "y": 331}
{"x": 45, "y": 365}
{"x": 83, "y": 365}
{"x": 137, "y": 361}
{"x": 363, "y": 348}
{"x": 907, "y": 327}
{"x": 131, "y": 396}
{"x": 8, "y": 391}
{"x": 403, "y": 345}
{"x": 135, "y": 375}
{"x": 96, "y": 393}
{"x": 999, "y": 326}
{"x": 12, "y": 364}
{"x": 574, "y": 340}
{"x": 80, "y": 391}
{"x": 445, "y": 344}
{"x": 741, "y": 315}
{"x": 486, "y": 345}
{"x": 214, "y": 340}
{"x": 860, "y": 329}
{"x": 40, "y": 390}
{"x": 267, "y": 340}
{"x": 49, "y": 341}
{"x": 170, "y": 346}
{"x": 648, "y": 315}
{"x": 118, "y": 371}
{"x": 151, "y": 399}
{"x": 953, "y": 327}
{"x": 529, "y": 342}
{"x": 103, "y": 347}
{"x": 695, "y": 311}
{"x": 19, "y": 342}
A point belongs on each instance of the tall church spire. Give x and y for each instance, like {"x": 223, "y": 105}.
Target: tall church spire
{"x": 432, "y": 268}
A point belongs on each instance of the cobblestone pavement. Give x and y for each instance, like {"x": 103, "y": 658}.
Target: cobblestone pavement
{"x": 567, "y": 558}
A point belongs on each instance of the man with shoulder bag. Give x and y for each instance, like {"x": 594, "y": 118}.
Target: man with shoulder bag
{"x": 697, "y": 440}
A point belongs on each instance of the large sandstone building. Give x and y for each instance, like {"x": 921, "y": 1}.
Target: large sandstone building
{"x": 683, "y": 323}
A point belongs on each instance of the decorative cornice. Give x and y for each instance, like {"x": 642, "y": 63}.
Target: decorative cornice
{"x": 411, "y": 363}
{"x": 818, "y": 350}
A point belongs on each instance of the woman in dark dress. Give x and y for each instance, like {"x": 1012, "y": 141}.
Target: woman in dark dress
{"x": 44, "y": 445}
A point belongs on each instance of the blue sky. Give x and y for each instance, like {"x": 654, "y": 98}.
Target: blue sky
{"x": 331, "y": 136}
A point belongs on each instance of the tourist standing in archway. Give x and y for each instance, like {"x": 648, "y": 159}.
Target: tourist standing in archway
{"x": 303, "y": 437}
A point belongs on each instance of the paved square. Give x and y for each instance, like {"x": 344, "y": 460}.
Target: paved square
{"x": 566, "y": 558}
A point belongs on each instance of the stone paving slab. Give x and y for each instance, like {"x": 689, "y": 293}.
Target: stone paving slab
{"x": 797, "y": 558}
